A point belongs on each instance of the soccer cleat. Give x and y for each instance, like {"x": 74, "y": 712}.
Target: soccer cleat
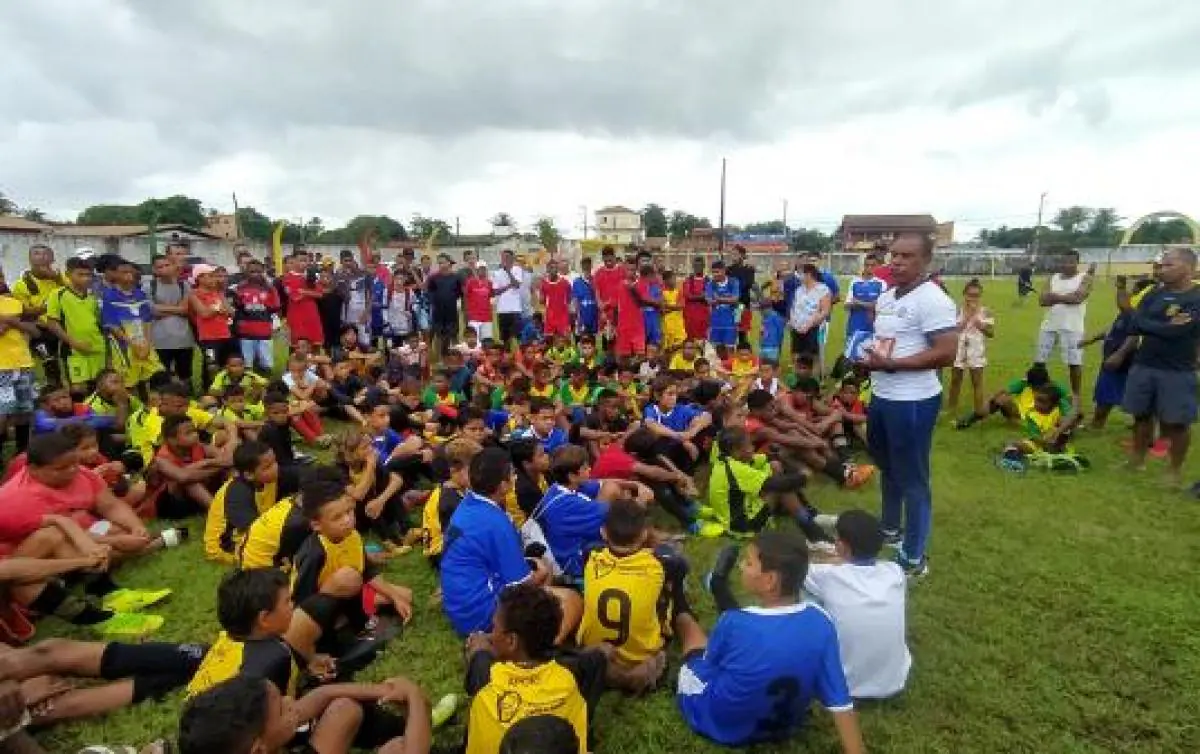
{"x": 857, "y": 476}
{"x": 915, "y": 570}
{"x": 706, "y": 529}
{"x": 444, "y": 710}
{"x": 129, "y": 625}
{"x": 133, "y": 600}
{"x": 705, "y": 512}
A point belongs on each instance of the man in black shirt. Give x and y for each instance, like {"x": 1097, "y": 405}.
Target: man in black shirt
{"x": 1162, "y": 382}
{"x": 445, "y": 291}
{"x": 744, "y": 274}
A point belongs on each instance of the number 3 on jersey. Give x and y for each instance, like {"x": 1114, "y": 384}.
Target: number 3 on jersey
{"x": 784, "y": 691}
{"x": 614, "y": 610}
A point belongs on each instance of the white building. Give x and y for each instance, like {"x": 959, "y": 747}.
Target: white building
{"x": 619, "y": 225}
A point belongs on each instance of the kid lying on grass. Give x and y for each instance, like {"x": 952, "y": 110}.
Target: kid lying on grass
{"x": 753, "y": 680}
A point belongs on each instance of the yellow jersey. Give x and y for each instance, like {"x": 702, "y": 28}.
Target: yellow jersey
{"x": 275, "y": 537}
{"x": 144, "y": 428}
{"x": 14, "y": 343}
{"x": 436, "y": 516}
{"x": 546, "y": 391}
{"x": 235, "y": 507}
{"x": 627, "y": 603}
{"x": 741, "y": 368}
{"x": 680, "y": 364}
{"x": 33, "y": 291}
{"x": 673, "y": 330}
{"x": 515, "y": 692}
{"x": 320, "y": 557}
{"x": 228, "y": 657}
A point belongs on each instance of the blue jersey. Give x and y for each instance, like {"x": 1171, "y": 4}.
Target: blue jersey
{"x": 831, "y": 283}
{"x": 865, "y": 292}
{"x": 379, "y": 304}
{"x": 123, "y": 313}
{"x": 760, "y": 672}
{"x": 586, "y": 307}
{"x": 724, "y": 314}
{"x": 571, "y": 521}
{"x": 773, "y": 325}
{"x": 676, "y": 419}
{"x": 385, "y": 442}
{"x": 550, "y": 443}
{"x": 482, "y": 555}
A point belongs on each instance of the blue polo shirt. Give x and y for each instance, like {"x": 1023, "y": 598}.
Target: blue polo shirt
{"x": 482, "y": 555}
{"x": 571, "y": 521}
{"x": 677, "y": 418}
{"x": 385, "y": 442}
{"x": 550, "y": 443}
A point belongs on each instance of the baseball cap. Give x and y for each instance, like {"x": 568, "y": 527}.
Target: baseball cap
{"x": 203, "y": 269}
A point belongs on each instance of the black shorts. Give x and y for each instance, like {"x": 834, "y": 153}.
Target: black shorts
{"x": 156, "y": 668}
{"x": 809, "y": 342}
{"x": 509, "y": 325}
{"x": 174, "y": 507}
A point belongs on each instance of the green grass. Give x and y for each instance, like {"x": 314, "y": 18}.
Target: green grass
{"x": 1061, "y": 614}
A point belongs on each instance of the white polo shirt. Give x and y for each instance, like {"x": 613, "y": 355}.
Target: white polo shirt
{"x": 904, "y": 327}
{"x": 508, "y": 302}
{"x": 867, "y": 605}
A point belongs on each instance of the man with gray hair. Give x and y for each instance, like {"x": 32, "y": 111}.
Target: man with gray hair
{"x": 1162, "y": 382}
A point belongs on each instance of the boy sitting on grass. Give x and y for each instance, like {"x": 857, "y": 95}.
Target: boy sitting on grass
{"x": 752, "y": 681}
{"x": 238, "y": 412}
{"x": 250, "y": 492}
{"x": 631, "y": 593}
{"x": 234, "y": 374}
{"x": 865, "y": 598}
{"x": 796, "y": 445}
{"x": 188, "y": 470}
{"x": 444, "y": 500}
{"x": 332, "y": 579}
{"x": 745, "y": 489}
{"x": 255, "y": 611}
{"x": 513, "y": 672}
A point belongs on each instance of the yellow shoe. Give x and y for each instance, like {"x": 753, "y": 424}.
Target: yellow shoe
{"x": 133, "y": 600}
{"x": 129, "y": 626}
{"x": 706, "y": 529}
{"x": 444, "y": 710}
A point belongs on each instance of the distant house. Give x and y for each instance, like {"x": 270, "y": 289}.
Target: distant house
{"x": 865, "y": 232}
{"x": 19, "y": 225}
{"x": 222, "y": 226}
{"x": 619, "y": 226}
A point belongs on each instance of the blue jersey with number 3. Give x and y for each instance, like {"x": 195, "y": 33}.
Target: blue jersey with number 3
{"x": 761, "y": 670}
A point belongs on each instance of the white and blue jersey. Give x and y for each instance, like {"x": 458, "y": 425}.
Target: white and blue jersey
{"x": 482, "y": 555}
{"x": 571, "y": 521}
{"x": 864, "y": 291}
{"x": 677, "y": 419}
{"x": 550, "y": 443}
{"x": 760, "y": 672}
{"x": 722, "y": 324}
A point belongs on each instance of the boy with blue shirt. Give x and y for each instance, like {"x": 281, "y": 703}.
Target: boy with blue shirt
{"x": 722, "y": 293}
{"x": 860, "y": 307}
{"x": 483, "y": 554}
{"x": 542, "y": 427}
{"x": 125, "y": 318}
{"x": 583, "y": 293}
{"x": 754, "y": 678}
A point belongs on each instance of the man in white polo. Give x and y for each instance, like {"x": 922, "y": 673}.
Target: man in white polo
{"x": 506, "y": 285}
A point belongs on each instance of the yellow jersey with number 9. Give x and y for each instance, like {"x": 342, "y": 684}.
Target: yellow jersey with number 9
{"x": 626, "y": 602}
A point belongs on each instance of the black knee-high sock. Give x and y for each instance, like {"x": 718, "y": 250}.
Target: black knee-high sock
{"x": 672, "y": 502}
{"x": 21, "y": 437}
{"x": 100, "y": 584}
{"x": 835, "y": 469}
{"x": 57, "y": 601}
{"x": 722, "y": 593}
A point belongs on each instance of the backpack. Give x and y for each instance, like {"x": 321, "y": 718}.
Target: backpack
{"x": 533, "y": 534}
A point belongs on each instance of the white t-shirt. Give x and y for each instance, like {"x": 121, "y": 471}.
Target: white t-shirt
{"x": 867, "y": 604}
{"x": 903, "y": 326}
{"x": 508, "y": 302}
{"x": 1065, "y": 317}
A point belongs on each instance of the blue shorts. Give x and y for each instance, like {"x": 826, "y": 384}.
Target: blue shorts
{"x": 1110, "y": 388}
{"x": 1166, "y": 394}
{"x": 653, "y": 324}
{"x": 723, "y": 333}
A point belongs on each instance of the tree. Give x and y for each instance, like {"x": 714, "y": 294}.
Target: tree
{"x": 34, "y": 214}
{"x": 254, "y": 224}
{"x": 770, "y": 227}
{"x": 108, "y": 214}
{"x": 424, "y": 228}
{"x": 682, "y": 224}
{"x": 1163, "y": 232}
{"x": 178, "y": 209}
{"x": 7, "y": 206}
{"x": 1072, "y": 219}
{"x": 547, "y": 234}
{"x": 1005, "y": 237}
{"x": 503, "y": 220}
{"x": 810, "y": 239}
{"x": 654, "y": 221}
{"x": 1103, "y": 229}
{"x": 314, "y": 228}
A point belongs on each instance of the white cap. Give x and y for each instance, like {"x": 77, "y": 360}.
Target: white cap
{"x": 481, "y": 263}
{"x": 85, "y": 252}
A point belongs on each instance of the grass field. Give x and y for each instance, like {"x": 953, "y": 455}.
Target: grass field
{"x": 1061, "y": 614}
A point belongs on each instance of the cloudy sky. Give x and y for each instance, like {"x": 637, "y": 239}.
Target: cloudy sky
{"x": 962, "y": 108}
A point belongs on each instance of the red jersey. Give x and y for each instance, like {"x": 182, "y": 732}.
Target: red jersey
{"x": 613, "y": 463}
{"x": 254, "y": 305}
{"x": 478, "y": 297}
{"x": 557, "y": 295}
{"x": 884, "y": 273}
{"x": 608, "y": 283}
{"x": 695, "y": 313}
{"x": 629, "y": 312}
{"x": 303, "y": 317}
{"x": 214, "y": 326}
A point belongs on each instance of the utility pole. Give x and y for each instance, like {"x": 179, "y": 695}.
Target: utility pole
{"x": 456, "y": 228}
{"x": 583, "y": 209}
{"x": 785, "y": 232}
{"x": 237, "y": 221}
{"x": 1037, "y": 230}
{"x": 721, "y": 232}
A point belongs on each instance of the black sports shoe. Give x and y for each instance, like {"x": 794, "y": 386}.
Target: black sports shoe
{"x": 892, "y": 537}
{"x": 722, "y": 566}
